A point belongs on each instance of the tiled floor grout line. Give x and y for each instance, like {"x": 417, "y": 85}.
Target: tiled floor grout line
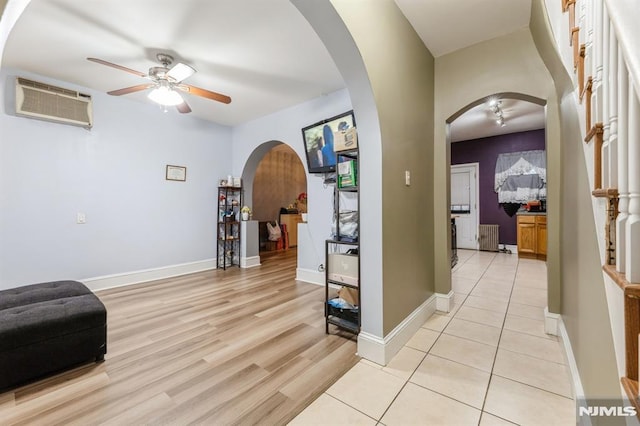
{"x": 439, "y": 330}
{"x": 495, "y": 356}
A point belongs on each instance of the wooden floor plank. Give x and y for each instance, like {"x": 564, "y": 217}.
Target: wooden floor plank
{"x": 241, "y": 346}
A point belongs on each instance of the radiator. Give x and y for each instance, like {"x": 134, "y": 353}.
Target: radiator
{"x": 489, "y": 237}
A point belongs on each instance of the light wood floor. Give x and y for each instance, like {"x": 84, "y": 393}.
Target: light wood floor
{"x": 242, "y": 346}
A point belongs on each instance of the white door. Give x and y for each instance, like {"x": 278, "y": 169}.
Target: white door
{"x": 464, "y": 204}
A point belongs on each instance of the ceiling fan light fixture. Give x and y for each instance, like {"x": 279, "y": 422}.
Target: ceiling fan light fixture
{"x": 180, "y": 72}
{"x": 164, "y": 95}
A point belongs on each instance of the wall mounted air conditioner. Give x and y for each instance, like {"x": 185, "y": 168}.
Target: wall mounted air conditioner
{"x": 46, "y": 102}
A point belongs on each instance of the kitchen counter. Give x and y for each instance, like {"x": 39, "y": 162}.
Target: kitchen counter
{"x": 526, "y": 213}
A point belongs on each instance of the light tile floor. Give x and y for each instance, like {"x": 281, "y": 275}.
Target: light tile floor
{"x": 487, "y": 362}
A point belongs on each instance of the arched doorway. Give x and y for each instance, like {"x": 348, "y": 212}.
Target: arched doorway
{"x": 275, "y": 188}
{"x": 482, "y": 134}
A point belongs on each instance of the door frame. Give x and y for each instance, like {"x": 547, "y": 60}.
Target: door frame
{"x": 476, "y": 170}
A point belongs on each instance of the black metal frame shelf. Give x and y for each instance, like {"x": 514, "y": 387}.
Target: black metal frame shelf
{"x": 343, "y": 318}
{"x": 228, "y": 231}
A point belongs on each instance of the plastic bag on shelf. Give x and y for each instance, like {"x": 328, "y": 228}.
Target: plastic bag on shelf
{"x": 348, "y": 225}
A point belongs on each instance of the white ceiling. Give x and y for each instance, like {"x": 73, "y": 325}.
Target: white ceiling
{"x": 262, "y": 53}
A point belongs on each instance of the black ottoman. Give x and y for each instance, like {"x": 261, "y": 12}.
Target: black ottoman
{"x": 49, "y": 327}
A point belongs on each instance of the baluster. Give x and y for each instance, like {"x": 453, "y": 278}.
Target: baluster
{"x": 613, "y": 111}
{"x": 632, "y": 261}
{"x": 623, "y": 163}
{"x": 604, "y": 98}
{"x": 596, "y": 102}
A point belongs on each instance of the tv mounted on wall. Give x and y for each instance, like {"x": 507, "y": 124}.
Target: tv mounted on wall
{"x": 318, "y": 141}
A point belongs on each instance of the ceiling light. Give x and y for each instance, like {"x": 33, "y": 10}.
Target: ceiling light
{"x": 181, "y": 71}
{"x": 164, "y": 95}
{"x": 494, "y": 106}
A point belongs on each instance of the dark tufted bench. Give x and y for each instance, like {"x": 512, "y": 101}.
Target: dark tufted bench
{"x": 48, "y": 327}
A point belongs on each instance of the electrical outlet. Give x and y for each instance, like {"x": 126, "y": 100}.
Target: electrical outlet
{"x": 81, "y": 218}
{"x": 321, "y": 268}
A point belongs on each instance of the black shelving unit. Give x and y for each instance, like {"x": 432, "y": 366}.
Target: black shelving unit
{"x": 342, "y": 251}
{"x": 228, "y": 234}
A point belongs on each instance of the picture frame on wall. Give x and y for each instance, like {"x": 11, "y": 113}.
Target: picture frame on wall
{"x": 177, "y": 173}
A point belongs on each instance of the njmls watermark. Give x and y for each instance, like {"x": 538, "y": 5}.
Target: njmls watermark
{"x": 607, "y": 411}
{"x": 594, "y": 409}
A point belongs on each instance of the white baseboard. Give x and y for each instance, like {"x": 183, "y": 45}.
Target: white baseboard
{"x": 135, "y": 277}
{"x": 576, "y": 383}
{"x": 551, "y": 322}
{"x": 249, "y": 262}
{"x": 443, "y": 301}
{"x": 310, "y": 276}
{"x": 514, "y": 249}
{"x": 382, "y": 350}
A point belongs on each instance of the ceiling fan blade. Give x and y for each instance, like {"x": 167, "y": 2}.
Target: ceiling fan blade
{"x": 183, "y": 108}
{"x": 116, "y": 66}
{"x": 181, "y": 72}
{"x": 204, "y": 93}
{"x": 131, "y": 89}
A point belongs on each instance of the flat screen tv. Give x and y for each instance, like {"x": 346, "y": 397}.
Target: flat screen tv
{"x": 318, "y": 141}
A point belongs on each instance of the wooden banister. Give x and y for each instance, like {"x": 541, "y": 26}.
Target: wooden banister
{"x": 575, "y": 35}
{"x": 581, "y": 57}
{"x": 598, "y": 131}
{"x": 586, "y": 95}
{"x": 612, "y": 196}
{"x": 631, "y": 293}
{"x": 571, "y": 8}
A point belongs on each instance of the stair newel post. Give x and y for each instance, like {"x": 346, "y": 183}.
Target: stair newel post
{"x": 623, "y": 163}
{"x": 632, "y": 261}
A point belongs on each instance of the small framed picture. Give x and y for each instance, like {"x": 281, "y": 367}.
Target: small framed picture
{"x": 176, "y": 173}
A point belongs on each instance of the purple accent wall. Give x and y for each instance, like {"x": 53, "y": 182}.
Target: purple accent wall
{"x": 485, "y": 151}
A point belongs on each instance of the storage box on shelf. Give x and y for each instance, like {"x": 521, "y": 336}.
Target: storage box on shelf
{"x": 228, "y": 232}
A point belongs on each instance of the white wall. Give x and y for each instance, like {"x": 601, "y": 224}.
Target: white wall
{"x": 286, "y": 126}
{"x": 115, "y": 174}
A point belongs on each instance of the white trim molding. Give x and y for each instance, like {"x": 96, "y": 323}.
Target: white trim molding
{"x": 444, "y": 302}
{"x": 382, "y": 350}
{"x": 551, "y": 322}
{"x": 310, "y": 276}
{"x": 576, "y": 383}
{"x": 135, "y": 277}
{"x": 249, "y": 262}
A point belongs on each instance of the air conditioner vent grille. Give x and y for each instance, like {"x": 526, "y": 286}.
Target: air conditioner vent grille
{"x": 51, "y": 103}
{"x": 47, "y": 87}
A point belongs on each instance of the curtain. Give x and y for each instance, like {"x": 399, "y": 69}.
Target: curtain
{"x": 521, "y": 176}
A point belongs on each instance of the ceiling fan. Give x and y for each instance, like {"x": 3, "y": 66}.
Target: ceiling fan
{"x": 166, "y": 80}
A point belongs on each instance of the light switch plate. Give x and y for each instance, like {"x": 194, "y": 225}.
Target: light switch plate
{"x": 81, "y": 218}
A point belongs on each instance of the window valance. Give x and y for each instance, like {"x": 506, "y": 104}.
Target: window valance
{"x": 521, "y": 176}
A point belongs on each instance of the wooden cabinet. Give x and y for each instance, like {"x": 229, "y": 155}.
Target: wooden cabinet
{"x": 532, "y": 236}
{"x": 291, "y": 221}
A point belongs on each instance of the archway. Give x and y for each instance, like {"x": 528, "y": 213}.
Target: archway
{"x": 479, "y": 135}
{"x": 503, "y": 141}
{"x": 274, "y": 179}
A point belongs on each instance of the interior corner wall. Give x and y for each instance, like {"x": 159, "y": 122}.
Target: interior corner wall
{"x": 400, "y": 71}
{"x": 115, "y": 174}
